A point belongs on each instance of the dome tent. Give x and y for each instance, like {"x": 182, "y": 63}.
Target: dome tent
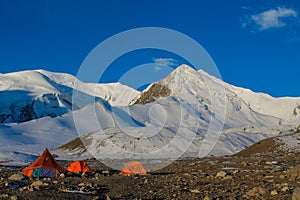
{"x": 79, "y": 167}
{"x": 134, "y": 168}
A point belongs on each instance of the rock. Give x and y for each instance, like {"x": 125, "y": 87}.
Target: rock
{"x": 256, "y": 191}
{"x": 62, "y": 176}
{"x": 81, "y": 184}
{"x": 16, "y": 177}
{"x": 83, "y": 174}
{"x": 206, "y": 198}
{"x": 13, "y": 198}
{"x": 4, "y": 196}
{"x": 195, "y": 191}
{"x": 269, "y": 177}
{"x": 244, "y": 163}
{"x": 296, "y": 194}
{"x": 274, "y": 193}
{"x": 37, "y": 184}
{"x": 107, "y": 197}
{"x": 285, "y": 189}
{"x": 55, "y": 182}
{"x": 228, "y": 178}
{"x": 221, "y": 174}
{"x": 294, "y": 171}
{"x": 282, "y": 177}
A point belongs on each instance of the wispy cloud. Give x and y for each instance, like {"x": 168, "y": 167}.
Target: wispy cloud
{"x": 170, "y": 62}
{"x": 270, "y": 19}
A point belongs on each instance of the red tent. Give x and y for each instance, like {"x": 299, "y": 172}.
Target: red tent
{"x": 79, "y": 167}
{"x": 44, "y": 166}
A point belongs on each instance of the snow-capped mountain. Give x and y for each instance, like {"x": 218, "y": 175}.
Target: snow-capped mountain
{"x": 184, "y": 112}
{"x": 181, "y": 104}
{"x": 31, "y": 95}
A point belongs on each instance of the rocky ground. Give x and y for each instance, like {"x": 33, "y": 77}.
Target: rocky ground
{"x": 263, "y": 171}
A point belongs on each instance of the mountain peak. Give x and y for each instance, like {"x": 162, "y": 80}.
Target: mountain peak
{"x": 184, "y": 68}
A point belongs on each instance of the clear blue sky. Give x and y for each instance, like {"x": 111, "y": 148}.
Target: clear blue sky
{"x": 255, "y": 44}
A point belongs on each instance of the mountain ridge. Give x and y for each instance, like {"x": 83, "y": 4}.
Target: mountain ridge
{"x": 183, "y": 103}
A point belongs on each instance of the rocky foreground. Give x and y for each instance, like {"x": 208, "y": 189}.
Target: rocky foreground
{"x": 263, "y": 171}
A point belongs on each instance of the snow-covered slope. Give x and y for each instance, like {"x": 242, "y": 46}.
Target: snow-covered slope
{"x": 31, "y": 95}
{"x": 185, "y": 103}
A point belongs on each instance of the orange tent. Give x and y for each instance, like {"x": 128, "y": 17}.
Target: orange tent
{"x": 44, "y": 166}
{"x": 79, "y": 167}
{"x": 133, "y": 168}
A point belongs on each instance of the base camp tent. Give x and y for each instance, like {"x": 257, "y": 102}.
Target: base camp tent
{"x": 133, "y": 168}
{"x": 79, "y": 167}
{"x": 44, "y": 166}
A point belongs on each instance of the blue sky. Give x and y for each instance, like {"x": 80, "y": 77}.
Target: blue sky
{"x": 255, "y": 44}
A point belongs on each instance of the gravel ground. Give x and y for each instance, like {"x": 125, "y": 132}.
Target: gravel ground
{"x": 267, "y": 173}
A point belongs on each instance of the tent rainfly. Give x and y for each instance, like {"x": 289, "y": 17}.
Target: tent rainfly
{"x": 79, "y": 167}
{"x": 44, "y": 166}
{"x": 133, "y": 168}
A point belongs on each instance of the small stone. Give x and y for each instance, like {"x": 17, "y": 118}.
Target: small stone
{"x": 206, "y": 198}
{"x": 262, "y": 191}
{"x": 282, "y": 177}
{"x": 37, "y": 184}
{"x": 294, "y": 172}
{"x": 81, "y": 184}
{"x": 256, "y": 191}
{"x": 285, "y": 189}
{"x": 221, "y": 174}
{"x": 296, "y": 194}
{"x": 62, "y": 176}
{"x": 83, "y": 174}
{"x": 274, "y": 193}
{"x": 4, "y": 196}
{"x": 16, "y": 177}
{"x": 269, "y": 177}
{"x": 13, "y": 198}
{"x": 228, "y": 178}
{"x": 55, "y": 182}
{"x": 94, "y": 192}
{"x": 195, "y": 191}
